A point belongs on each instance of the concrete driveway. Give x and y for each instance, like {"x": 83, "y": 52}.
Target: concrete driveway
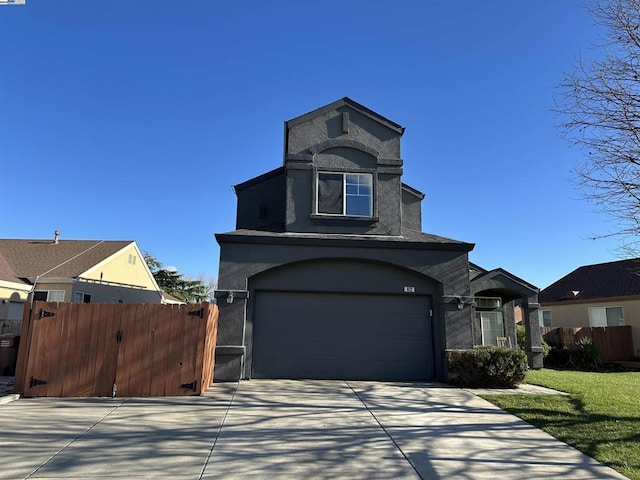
{"x": 284, "y": 429}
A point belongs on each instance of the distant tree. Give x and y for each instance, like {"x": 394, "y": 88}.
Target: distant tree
{"x": 171, "y": 282}
{"x": 599, "y": 108}
{"x": 210, "y": 285}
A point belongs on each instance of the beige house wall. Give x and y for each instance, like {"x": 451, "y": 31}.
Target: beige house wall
{"x": 125, "y": 267}
{"x": 576, "y": 314}
{"x": 67, "y": 287}
{"x": 10, "y": 292}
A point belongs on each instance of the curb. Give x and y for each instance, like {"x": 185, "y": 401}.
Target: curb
{"x": 9, "y": 398}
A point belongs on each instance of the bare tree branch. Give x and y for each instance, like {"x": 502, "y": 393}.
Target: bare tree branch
{"x": 599, "y": 111}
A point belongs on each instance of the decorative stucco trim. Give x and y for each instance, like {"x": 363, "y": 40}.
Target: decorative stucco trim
{"x": 299, "y": 157}
{"x": 344, "y": 143}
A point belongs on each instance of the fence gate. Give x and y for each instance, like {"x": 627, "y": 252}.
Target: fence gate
{"x": 125, "y": 350}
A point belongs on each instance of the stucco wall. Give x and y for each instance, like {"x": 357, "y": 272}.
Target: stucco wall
{"x": 262, "y": 204}
{"x": 577, "y": 315}
{"x": 411, "y": 211}
{"x": 241, "y": 261}
{"x": 118, "y": 269}
{"x": 302, "y": 136}
{"x": 102, "y": 293}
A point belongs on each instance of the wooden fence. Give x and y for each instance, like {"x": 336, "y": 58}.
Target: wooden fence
{"x": 613, "y": 343}
{"x": 126, "y": 350}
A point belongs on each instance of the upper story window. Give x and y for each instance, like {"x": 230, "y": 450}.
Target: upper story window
{"x": 345, "y": 194}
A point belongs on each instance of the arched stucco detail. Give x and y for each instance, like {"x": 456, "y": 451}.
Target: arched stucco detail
{"x": 15, "y": 297}
{"x": 345, "y": 275}
{"x": 346, "y": 280}
{"x": 344, "y": 143}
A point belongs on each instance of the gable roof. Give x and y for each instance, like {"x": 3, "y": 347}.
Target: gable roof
{"x": 499, "y": 279}
{"x": 27, "y": 259}
{"x": 346, "y": 101}
{"x": 602, "y": 280}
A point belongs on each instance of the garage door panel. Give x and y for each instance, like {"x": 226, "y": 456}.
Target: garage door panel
{"x": 341, "y": 336}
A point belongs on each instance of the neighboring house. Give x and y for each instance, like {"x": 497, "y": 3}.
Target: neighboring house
{"x": 81, "y": 271}
{"x": 329, "y": 275}
{"x": 601, "y": 295}
{"x": 169, "y": 299}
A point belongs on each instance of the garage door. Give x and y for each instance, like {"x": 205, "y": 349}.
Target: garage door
{"x": 341, "y": 336}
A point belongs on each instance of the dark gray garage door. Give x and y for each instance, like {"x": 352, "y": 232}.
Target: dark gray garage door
{"x": 341, "y": 336}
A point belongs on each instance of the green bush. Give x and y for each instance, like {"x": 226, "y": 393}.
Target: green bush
{"x": 522, "y": 341}
{"x": 491, "y": 367}
{"x": 584, "y": 357}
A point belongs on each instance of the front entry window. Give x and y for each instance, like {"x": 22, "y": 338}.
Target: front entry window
{"x": 492, "y": 327}
{"x": 345, "y": 194}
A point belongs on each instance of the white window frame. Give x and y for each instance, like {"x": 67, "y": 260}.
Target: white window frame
{"x": 550, "y": 318}
{"x": 82, "y": 295}
{"x": 602, "y": 314}
{"x": 488, "y": 302}
{"x": 480, "y": 313}
{"x": 51, "y": 294}
{"x": 345, "y": 195}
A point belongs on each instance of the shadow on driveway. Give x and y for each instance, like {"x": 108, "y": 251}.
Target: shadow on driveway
{"x": 284, "y": 429}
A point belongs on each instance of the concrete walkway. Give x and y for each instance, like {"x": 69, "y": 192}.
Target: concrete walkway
{"x": 284, "y": 429}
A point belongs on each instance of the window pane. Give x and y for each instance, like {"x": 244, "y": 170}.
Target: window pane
{"x": 40, "y": 296}
{"x": 492, "y": 327}
{"x": 614, "y": 317}
{"x": 358, "y": 205}
{"x": 56, "y": 296}
{"x": 330, "y": 193}
{"x": 352, "y": 189}
{"x": 359, "y": 198}
{"x": 597, "y": 317}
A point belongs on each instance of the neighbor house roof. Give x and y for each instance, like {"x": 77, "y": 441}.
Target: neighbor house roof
{"x": 603, "y": 280}
{"x": 6, "y": 273}
{"x": 28, "y": 259}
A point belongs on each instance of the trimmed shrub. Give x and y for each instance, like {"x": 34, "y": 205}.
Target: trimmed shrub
{"x": 490, "y": 367}
{"x": 522, "y": 342}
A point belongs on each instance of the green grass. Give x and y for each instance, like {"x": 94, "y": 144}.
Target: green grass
{"x": 600, "y": 417}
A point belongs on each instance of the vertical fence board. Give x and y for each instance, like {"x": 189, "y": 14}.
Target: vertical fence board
{"x": 211, "y": 335}
{"x": 23, "y": 349}
{"x": 189, "y": 346}
{"x": 106, "y": 323}
{"x": 127, "y": 317}
{"x": 613, "y": 343}
{"x": 174, "y": 352}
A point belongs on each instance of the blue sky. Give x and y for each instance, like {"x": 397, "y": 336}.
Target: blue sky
{"x": 132, "y": 119}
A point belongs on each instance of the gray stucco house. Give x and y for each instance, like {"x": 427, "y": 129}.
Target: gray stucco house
{"x": 328, "y": 274}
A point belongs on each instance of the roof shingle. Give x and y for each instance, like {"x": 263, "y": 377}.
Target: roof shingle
{"x": 68, "y": 258}
{"x": 603, "y": 280}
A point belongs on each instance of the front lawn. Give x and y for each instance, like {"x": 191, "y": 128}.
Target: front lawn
{"x": 600, "y": 417}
